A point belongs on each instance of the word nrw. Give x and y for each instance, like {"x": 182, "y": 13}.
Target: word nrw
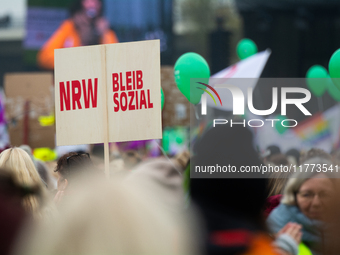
{"x": 89, "y": 93}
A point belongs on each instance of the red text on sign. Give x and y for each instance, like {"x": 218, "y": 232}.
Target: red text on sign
{"x": 78, "y": 89}
{"x": 129, "y": 93}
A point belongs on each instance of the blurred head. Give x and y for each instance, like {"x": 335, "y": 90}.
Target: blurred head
{"x": 20, "y": 164}
{"x": 12, "y": 212}
{"x": 110, "y": 218}
{"x": 162, "y": 176}
{"x": 224, "y": 145}
{"x": 310, "y": 191}
{"x": 131, "y": 159}
{"x": 40, "y": 166}
{"x": 313, "y": 195}
{"x": 278, "y": 159}
{"x": 72, "y": 164}
{"x": 293, "y": 155}
{"x": 27, "y": 148}
{"x": 313, "y": 153}
{"x": 271, "y": 151}
{"x": 92, "y": 8}
{"x": 336, "y": 157}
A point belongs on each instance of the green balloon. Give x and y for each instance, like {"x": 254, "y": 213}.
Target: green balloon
{"x": 333, "y": 91}
{"x": 162, "y": 99}
{"x": 246, "y": 48}
{"x": 278, "y": 126}
{"x": 191, "y": 65}
{"x": 317, "y": 80}
{"x": 334, "y": 68}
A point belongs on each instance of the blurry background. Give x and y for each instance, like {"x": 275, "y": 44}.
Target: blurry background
{"x": 300, "y": 33}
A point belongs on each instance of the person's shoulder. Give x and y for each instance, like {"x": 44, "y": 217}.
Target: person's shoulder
{"x": 284, "y": 208}
{"x": 281, "y": 214}
{"x": 261, "y": 244}
{"x": 271, "y": 203}
{"x": 67, "y": 24}
{"x": 111, "y": 36}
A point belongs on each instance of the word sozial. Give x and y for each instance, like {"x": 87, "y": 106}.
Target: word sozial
{"x": 132, "y": 96}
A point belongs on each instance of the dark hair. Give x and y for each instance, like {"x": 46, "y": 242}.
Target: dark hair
{"x": 273, "y": 149}
{"x": 131, "y": 158}
{"x": 294, "y": 153}
{"x": 77, "y": 6}
{"x": 13, "y": 215}
{"x": 278, "y": 159}
{"x": 228, "y": 204}
{"x": 315, "y": 152}
{"x": 229, "y": 146}
{"x": 72, "y": 163}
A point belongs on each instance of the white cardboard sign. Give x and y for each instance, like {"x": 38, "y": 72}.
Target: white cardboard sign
{"x": 108, "y": 93}
{"x": 134, "y": 91}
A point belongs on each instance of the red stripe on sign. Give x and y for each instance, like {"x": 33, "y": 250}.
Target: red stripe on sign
{"x": 230, "y": 238}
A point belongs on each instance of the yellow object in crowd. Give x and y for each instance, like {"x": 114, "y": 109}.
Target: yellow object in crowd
{"x": 304, "y": 250}
{"x": 45, "y": 154}
{"x": 46, "y": 120}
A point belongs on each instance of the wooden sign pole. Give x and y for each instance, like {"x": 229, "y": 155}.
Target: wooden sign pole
{"x": 106, "y": 159}
{"x": 105, "y": 124}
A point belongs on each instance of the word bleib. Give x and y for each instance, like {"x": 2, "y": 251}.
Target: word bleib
{"x": 128, "y": 91}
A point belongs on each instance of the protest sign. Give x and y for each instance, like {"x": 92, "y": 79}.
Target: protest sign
{"x": 28, "y": 97}
{"x": 108, "y": 93}
{"x": 134, "y": 91}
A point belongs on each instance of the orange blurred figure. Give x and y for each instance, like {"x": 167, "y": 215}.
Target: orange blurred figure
{"x": 86, "y": 26}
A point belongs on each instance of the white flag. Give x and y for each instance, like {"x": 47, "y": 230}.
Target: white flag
{"x": 250, "y": 67}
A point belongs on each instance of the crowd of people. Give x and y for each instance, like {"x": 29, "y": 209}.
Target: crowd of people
{"x": 151, "y": 206}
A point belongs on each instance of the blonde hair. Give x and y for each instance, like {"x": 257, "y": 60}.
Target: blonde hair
{"x": 109, "y": 218}
{"x": 21, "y": 165}
{"x": 278, "y": 180}
{"x": 294, "y": 184}
{"x": 277, "y": 183}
